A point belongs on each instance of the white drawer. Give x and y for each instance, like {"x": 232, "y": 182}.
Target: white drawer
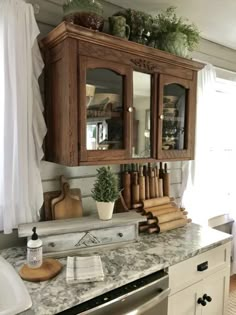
{"x": 72, "y": 241}
{"x": 189, "y": 271}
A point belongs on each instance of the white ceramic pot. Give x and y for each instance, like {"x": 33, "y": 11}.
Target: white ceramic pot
{"x": 105, "y": 210}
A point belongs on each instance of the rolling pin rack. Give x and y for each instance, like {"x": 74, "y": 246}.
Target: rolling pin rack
{"x": 146, "y": 189}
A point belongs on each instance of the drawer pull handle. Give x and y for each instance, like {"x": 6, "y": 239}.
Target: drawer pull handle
{"x": 203, "y": 266}
{"x": 202, "y": 302}
{"x": 207, "y": 298}
{"x": 120, "y": 234}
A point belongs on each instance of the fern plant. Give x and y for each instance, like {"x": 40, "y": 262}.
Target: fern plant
{"x": 167, "y": 22}
{"x": 106, "y": 186}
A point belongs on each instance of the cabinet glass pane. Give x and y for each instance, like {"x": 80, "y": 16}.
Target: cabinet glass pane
{"x": 141, "y": 144}
{"x": 105, "y": 110}
{"x": 174, "y": 122}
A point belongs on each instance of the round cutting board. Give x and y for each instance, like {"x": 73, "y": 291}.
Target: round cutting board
{"x": 49, "y": 269}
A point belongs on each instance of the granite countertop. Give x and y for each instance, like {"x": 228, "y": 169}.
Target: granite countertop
{"x": 121, "y": 265}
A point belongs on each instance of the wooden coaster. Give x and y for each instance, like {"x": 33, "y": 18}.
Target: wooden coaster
{"x": 49, "y": 269}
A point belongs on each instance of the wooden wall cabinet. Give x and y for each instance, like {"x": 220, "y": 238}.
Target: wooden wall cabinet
{"x": 143, "y": 108}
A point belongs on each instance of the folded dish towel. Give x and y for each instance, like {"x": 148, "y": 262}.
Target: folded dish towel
{"x": 84, "y": 269}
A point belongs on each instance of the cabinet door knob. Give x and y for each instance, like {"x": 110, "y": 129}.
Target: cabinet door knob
{"x": 130, "y": 109}
{"x": 207, "y": 298}
{"x": 120, "y": 234}
{"x": 202, "y": 302}
{"x": 161, "y": 117}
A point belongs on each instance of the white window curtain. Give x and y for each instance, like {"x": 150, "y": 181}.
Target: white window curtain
{"x": 195, "y": 187}
{"x": 22, "y": 126}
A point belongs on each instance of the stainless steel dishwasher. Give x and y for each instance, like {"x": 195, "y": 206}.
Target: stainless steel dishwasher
{"x": 146, "y": 296}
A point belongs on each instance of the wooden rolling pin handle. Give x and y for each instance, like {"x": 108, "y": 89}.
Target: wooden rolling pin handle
{"x": 143, "y": 228}
{"x": 152, "y": 230}
{"x": 151, "y": 221}
{"x": 142, "y": 223}
{"x": 150, "y": 215}
{"x": 137, "y": 205}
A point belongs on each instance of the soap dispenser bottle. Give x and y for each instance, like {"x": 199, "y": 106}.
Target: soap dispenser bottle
{"x": 34, "y": 251}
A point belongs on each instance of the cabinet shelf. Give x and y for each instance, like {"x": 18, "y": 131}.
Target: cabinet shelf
{"x": 94, "y": 115}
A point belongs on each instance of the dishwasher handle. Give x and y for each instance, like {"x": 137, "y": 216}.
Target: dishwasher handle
{"x": 149, "y": 304}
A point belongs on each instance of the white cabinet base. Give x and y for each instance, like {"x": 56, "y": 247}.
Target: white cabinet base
{"x": 193, "y": 284}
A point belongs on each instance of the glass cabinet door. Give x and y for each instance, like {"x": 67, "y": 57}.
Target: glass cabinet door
{"x": 142, "y": 113}
{"x": 176, "y": 123}
{"x": 173, "y": 128}
{"x": 107, "y": 110}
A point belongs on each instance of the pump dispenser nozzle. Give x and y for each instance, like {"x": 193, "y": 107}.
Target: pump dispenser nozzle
{"x": 34, "y": 235}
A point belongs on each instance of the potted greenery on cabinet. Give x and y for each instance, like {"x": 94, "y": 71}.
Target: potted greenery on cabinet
{"x": 174, "y": 34}
{"x": 105, "y": 192}
{"x": 87, "y": 13}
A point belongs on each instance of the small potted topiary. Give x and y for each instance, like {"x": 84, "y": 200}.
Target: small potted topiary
{"x": 105, "y": 192}
{"x": 174, "y": 34}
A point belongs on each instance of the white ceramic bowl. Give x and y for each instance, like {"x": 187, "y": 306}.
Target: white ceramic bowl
{"x": 170, "y": 100}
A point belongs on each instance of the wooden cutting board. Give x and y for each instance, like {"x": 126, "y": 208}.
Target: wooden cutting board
{"x": 49, "y": 269}
{"x": 68, "y": 206}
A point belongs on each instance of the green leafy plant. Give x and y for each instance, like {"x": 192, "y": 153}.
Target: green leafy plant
{"x": 72, "y": 6}
{"x": 106, "y": 186}
{"x": 167, "y": 22}
{"x": 140, "y": 24}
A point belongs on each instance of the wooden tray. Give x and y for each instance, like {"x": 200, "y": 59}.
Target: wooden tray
{"x": 49, "y": 269}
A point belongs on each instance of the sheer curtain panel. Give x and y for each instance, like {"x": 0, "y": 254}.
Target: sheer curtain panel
{"x": 196, "y": 195}
{"x": 22, "y": 126}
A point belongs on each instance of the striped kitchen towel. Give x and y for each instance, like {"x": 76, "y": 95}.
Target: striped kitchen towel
{"x": 84, "y": 269}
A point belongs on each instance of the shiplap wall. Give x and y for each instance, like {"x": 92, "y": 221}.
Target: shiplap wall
{"x": 50, "y": 15}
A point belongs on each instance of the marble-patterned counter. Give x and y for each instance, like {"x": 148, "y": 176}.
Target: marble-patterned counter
{"x": 121, "y": 265}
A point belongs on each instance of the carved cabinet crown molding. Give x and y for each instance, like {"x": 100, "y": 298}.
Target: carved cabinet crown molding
{"x": 144, "y": 64}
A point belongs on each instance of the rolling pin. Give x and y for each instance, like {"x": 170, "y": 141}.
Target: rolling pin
{"x": 170, "y": 217}
{"x": 156, "y": 182}
{"x": 127, "y": 186}
{"x": 156, "y": 202}
{"x": 135, "y": 189}
{"x": 160, "y": 187}
{"x": 141, "y": 180}
{"x": 155, "y": 208}
{"x": 163, "y": 227}
{"x": 173, "y": 224}
{"x": 166, "y": 182}
{"x": 160, "y": 212}
{"x": 152, "y": 184}
{"x": 161, "y": 171}
{"x": 147, "y": 190}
